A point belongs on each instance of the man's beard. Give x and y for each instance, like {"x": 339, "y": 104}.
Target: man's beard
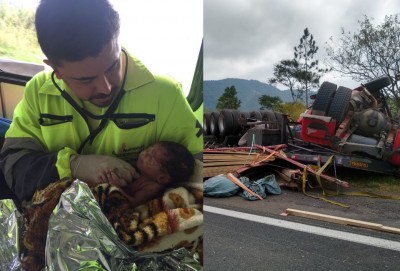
{"x": 103, "y": 100}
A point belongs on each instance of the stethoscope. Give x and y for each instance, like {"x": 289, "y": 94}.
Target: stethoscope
{"x": 109, "y": 114}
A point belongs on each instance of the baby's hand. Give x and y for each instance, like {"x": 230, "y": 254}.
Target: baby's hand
{"x": 112, "y": 177}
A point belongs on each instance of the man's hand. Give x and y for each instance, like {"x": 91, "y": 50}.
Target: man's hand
{"x": 95, "y": 169}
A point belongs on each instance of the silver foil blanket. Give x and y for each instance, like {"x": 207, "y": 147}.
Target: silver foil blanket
{"x": 10, "y": 219}
{"x": 80, "y": 237}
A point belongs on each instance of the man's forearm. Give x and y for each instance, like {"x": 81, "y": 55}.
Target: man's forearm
{"x": 31, "y": 171}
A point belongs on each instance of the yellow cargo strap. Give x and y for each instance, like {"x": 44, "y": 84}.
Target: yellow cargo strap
{"x": 337, "y": 193}
{"x": 318, "y": 177}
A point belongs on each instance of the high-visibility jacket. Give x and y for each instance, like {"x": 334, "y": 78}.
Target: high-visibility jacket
{"x": 46, "y": 130}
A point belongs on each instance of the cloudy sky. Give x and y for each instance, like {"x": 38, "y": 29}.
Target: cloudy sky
{"x": 245, "y": 38}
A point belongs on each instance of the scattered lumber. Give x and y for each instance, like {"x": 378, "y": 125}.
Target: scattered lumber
{"x": 342, "y": 220}
{"x": 239, "y": 159}
{"x": 227, "y": 160}
{"x": 304, "y": 167}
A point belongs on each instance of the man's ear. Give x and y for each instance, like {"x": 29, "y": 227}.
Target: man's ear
{"x": 163, "y": 179}
{"x": 51, "y": 64}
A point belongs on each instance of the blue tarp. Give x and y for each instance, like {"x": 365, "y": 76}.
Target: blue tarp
{"x": 262, "y": 187}
{"x": 221, "y": 186}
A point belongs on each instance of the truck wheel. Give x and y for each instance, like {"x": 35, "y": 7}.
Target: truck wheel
{"x": 279, "y": 119}
{"x": 377, "y": 84}
{"x": 214, "y": 116}
{"x": 225, "y": 122}
{"x": 323, "y": 99}
{"x": 256, "y": 115}
{"x": 269, "y": 116}
{"x": 244, "y": 115}
{"x": 236, "y": 125}
{"x": 206, "y": 123}
{"x": 340, "y": 105}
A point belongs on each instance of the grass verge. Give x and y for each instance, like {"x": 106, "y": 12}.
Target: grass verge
{"x": 370, "y": 182}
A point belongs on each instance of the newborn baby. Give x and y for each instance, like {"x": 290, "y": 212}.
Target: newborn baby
{"x": 160, "y": 165}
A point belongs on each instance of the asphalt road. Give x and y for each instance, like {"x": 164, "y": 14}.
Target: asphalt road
{"x": 235, "y": 243}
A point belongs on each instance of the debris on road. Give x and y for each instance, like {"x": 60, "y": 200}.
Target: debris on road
{"x": 240, "y": 159}
{"x": 342, "y": 220}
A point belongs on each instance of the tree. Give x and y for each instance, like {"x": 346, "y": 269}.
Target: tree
{"x": 228, "y": 100}
{"x": 293, "y": 109}
{"x": 269, "y": 102}
{"x": 301, "y": 73}
{"x": 285, "y": 74}
{"x": 308, "y": 73}
{"x": 368, "y": 53}
{"x": 18, "y": 35}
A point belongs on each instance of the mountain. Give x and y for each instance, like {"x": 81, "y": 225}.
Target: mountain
{"x": 248, "y": 92}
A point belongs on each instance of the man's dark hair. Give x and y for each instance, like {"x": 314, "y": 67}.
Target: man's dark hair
{"x": 178, "y": 163}
{"x": 71, "y": 30}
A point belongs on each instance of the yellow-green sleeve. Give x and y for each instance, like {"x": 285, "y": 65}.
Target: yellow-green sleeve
{"x": 63, "y": 164}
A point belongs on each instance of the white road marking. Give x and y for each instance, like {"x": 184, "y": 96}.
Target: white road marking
{"x": 347, "y": 236}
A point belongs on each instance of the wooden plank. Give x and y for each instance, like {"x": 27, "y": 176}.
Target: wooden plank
{"x": 211, "y": 159}
{"x": 391, "y": 229}
{"x": 239, "y": 154}
{"x": 232, "y": 152}
{"x": 223, "y": 162}
{"x": 238, "y": 158}
{"x": 214, "y": 164}
{"x": 239, "y": 183}
{"x": 342, "y": 220}
{"x": 249, "y": 159}
{"x": 214, "y": 171}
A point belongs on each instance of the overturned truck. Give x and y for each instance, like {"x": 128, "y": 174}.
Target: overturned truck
{"x": 354, "y": 126}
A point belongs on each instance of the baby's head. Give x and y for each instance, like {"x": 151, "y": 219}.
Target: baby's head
{"x": 166, "y": 162}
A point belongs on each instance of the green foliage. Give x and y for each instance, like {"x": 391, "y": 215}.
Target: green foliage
{"x": 228, "y": 100}
{"x": 370, "y": 181}
{"x": 309, "y": 73}
{"x": 301, "y": 73}
{"x": 269, "y": 102}
{"x": 368, "y": 53}
{"x": 292, "y": 109}
{"x": 18, "y": 36}
{"x": 392, "y": 104}
{"x": 285, "y": 74}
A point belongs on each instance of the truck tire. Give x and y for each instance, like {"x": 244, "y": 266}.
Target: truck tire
{"x": 214, "y": 116}
{"x": 225, "y": 122}
{"x": 340, "y": 105}
{"x": 269, "y": 117}
{"x": 323, "y": 99}
{"x": 236, "y": 125}
{"x": 206, "y": 123}
{"x": 279, "y": 119}
{"x": 256, "y": 115}
{"x": 377, "y": 84}
{"x": 244, "y": 115}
